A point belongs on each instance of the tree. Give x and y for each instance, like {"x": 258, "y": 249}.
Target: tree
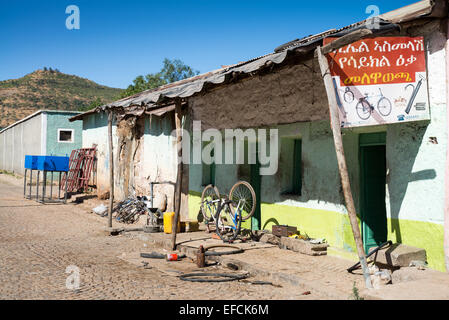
{"x": 95, "y": 103}
{"x": 172, "y": 71}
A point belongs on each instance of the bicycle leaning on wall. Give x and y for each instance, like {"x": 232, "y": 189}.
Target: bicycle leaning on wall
{"x": 228, "y": 212}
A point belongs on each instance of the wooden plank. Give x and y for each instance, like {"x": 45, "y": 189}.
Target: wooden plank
{"x": 111, "y": 169}
{"x": 342, "y": 168}
{"x": 177, "y": 204}
{"x": 346, "y": 39}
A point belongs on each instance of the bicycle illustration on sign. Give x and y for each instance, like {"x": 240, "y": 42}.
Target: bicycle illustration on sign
{"x": 380, "y": 80}
{"x": 367, "y": 104}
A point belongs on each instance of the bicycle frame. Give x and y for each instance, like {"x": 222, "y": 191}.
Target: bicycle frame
{"x": 369, "y": 99}
{"x": 233, "y": 216}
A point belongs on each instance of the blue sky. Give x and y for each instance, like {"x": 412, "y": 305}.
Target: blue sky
{"x": 119, "y": 40}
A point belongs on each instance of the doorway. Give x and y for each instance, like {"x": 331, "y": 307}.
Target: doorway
{"x": 250, "y": 172}
{"x": 255, "y": 181}
{"x": 373, "y": 170}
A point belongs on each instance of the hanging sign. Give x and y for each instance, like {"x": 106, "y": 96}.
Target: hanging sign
{"x": 380, "y": 81}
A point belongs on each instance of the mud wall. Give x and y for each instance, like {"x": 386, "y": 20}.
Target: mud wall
{"x": 292, "y": 94}
{"x": 128, "y": 158}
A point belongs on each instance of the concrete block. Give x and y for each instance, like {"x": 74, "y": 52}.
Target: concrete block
{"x": 400, "y": 255}
{"x": 305, "y": 247}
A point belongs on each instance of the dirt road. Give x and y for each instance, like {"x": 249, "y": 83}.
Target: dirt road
{"x": 39, "y": 243}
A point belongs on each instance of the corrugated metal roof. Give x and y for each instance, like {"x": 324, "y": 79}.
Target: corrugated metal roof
{"x": 154, "y": 98}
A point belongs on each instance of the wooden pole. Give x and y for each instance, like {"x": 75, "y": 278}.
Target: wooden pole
{"x": 177, "y": 204}
{"x": 111, "y": 170}
{"x": 342, "y": 168}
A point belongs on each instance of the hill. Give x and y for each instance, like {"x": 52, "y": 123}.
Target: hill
{"x": 49, "y": 89}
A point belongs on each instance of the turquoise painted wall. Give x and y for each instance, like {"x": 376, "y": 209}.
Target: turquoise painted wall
{"x": 60, "y": 120}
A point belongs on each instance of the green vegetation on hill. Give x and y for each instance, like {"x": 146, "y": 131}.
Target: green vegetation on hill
{"x": 50, "y": 89}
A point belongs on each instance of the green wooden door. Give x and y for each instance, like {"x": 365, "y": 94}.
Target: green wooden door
{"x": 256, "y": 183}
{"x": 373, "y": 207}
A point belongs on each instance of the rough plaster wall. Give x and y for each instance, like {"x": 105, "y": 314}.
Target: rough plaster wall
{"x": 159, "y": 159}
{"x": 95, "y": 131}
{"x": 417, "y": 166}
{"x": 139, "y": 181}
{"x": 138, "y": 159}
{"x": 293, "y": 94}
{"x": 130, "y": 132}
{"x": 320, "y": 189}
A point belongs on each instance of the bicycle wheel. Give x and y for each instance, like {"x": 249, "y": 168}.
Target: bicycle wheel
{"x": 228, "y": 225}
{"x": 363, "y": 109}
{"x": 209, "y": 208}
{"x": 384, "y": 106}
{"x": 243, "y": 196}
{"x": 348, "y": 96}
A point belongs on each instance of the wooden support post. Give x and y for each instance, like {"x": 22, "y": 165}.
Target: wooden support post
{"x": 177, "y": 204}
{"x": 111, "y": 170}
{"x": 342, "y": 168}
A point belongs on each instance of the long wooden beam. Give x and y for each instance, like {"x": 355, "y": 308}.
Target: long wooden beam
{"x": 342, "y": 168}
{"x": 111, "y": 169}
{"x": 177, "y": 200}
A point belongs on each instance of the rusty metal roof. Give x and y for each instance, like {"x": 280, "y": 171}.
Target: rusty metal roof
{"x": 161, "y": 96}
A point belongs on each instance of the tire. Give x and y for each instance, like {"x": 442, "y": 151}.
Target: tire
{"x": 226, "y": 229}
{"x": 234, "y": 250}
{"x": 384, "y": 107}
{"x": 363, "y": 109}
{"x": 242, "y": 190}
{"x": 209, "y": 211}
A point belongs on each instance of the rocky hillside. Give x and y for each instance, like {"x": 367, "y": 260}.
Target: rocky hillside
{"x": 49, "y": 89}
